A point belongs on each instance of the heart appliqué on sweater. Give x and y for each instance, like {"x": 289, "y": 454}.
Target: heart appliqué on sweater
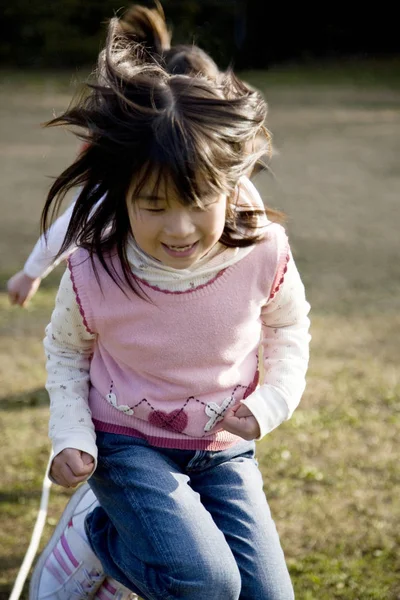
{"x": 175, "y": 420}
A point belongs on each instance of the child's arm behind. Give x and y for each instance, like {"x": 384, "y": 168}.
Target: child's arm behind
{"x": 41, "y": 261}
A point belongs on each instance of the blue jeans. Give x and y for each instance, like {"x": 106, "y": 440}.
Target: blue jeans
{"x": 185, "y": 524}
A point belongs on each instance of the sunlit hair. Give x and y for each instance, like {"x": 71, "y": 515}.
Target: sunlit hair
{"x": 147, "y": 26}
{"x": 139, "y": 119}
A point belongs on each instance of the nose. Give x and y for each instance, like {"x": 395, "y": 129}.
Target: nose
{"x": 180, "y": 223}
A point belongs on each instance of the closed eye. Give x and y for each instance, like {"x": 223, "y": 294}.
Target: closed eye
{"x": 205, "y": 206}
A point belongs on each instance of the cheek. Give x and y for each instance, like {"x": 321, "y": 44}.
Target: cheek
{"x": 136, "y": 218}
{"x": 134, "y": 226}
{"x": 132, "y": 215}
{"x": 137, "y": 224}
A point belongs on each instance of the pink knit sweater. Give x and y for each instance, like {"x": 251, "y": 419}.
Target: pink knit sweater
{"x": 167, "y": 368}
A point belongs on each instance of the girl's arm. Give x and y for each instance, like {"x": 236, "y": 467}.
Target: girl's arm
{"x": 284, "y": 361}
{"x": 69, "y": 347}
{"x": 285, "y": 350}
{"x": 21, "y": 288}
{"x": 41, "y": 260}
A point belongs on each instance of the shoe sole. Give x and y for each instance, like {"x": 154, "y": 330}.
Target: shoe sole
{"x": 61, "y": 525}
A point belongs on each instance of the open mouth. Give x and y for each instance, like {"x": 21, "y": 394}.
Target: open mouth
{"x": 180, "y": 250}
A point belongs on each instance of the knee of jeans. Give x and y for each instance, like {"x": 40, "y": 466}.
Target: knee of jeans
{"x": 206, "y": 579}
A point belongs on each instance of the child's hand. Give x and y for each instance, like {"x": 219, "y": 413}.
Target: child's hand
{"x": 240, "y": 421}
{"x": 21, "y": 288}
{"x": 71, "y": 467}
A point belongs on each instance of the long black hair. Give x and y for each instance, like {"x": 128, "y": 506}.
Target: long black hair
{"x": 139, "y": 118}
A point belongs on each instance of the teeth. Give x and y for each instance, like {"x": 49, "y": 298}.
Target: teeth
{"x": 180, "y": 248}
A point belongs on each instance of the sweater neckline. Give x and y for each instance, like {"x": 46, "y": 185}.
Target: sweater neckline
{"x": 196, "y": 291}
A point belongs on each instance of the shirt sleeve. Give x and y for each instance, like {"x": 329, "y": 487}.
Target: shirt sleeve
{"x": 41, "y": 260}
{"x": 69, "y": 348}
{"x": 284, "y": 354}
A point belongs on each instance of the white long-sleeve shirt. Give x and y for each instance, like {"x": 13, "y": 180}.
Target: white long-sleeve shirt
{"x": 41, "y": 260}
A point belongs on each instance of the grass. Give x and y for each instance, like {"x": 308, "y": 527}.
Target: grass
{"x": 332, "y": 472}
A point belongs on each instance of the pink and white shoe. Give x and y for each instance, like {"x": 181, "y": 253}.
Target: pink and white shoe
{"x": 68, "y": 569}
{"x": 112, "y": 590}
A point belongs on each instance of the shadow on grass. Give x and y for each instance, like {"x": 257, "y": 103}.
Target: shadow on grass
{"x": 5, "y": 588}
{"x": 33, "y": 398}
{"x": 14, "y": 496}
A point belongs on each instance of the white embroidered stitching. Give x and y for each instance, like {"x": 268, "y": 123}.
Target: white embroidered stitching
{"x": 216, "y": 413}
{"x": 112, "y": 399}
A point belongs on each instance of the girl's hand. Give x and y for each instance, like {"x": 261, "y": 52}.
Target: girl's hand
{"x": 240, "y": 421}
{"x": 21, "y": 288}
{"x": 71, "y": 467}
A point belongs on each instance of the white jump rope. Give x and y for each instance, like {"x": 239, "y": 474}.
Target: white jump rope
{"x": 35, "y": 538}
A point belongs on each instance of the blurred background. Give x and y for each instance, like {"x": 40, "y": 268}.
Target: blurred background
{"x": 249, "y": 33}
{"x": 331, "y": 77}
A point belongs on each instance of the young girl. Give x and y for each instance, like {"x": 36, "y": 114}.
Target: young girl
{"x": 141, "y": 25}
{"x": 180, "y": 336}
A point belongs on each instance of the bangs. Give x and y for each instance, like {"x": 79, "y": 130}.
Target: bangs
{"x": 185, "y": 149}
{"x": 186, "y": 176}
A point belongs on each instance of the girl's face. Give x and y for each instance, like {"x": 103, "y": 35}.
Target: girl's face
{"x": 170, "y": 232}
